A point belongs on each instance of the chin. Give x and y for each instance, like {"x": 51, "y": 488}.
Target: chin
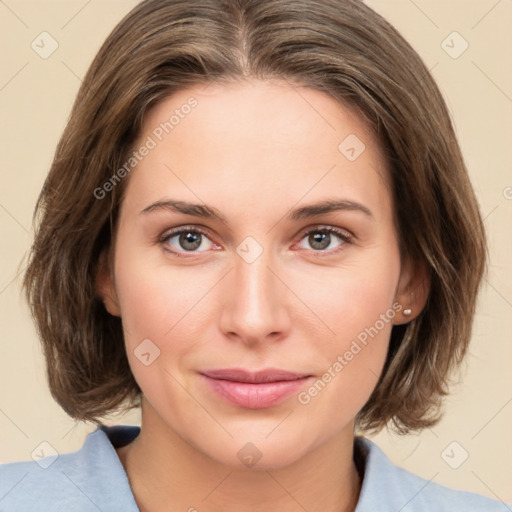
{"x": 258, "y": 452}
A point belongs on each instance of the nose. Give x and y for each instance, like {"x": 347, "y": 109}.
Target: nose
{"x": 256, "y": 308}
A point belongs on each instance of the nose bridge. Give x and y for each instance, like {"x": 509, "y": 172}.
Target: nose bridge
{"x": 256, "y": 307}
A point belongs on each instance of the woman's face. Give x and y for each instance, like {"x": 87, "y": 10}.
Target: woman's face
{"x": 254, "y": 277}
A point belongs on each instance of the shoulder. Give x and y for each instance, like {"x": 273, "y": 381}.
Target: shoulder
{"x": 387, "y": 487}
{"x": 91, "y": 478}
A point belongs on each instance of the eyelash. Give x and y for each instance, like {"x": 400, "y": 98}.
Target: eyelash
{"x": 344, "y": 236}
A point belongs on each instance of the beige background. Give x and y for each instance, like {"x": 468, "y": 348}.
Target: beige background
{"x": 35, "y": 99}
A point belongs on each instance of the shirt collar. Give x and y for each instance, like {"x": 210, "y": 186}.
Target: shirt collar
{"x": 98, "y": 453}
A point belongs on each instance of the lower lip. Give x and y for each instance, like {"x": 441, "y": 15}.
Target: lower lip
{"x": 255, "y": 396}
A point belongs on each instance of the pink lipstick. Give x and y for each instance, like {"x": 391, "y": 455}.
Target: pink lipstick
{"x": 254, "y": 390}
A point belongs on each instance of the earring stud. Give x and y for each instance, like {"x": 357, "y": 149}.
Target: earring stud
{"x": 407, "y": 312}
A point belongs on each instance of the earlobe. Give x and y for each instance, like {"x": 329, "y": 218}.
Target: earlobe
{"x": 412, "y": 291}
{"x": 104, "y": 286}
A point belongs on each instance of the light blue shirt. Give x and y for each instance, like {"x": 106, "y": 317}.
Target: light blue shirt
{"x": 93, "y": 479}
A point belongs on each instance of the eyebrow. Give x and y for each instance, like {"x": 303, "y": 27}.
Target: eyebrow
{"x": 209, "y": 212}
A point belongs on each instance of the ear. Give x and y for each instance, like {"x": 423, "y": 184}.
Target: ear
{"x": 104, "y": 285}
{"x": 412, "y": 290}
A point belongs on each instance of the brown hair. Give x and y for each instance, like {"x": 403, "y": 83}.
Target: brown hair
{"x": 340, "y": 47}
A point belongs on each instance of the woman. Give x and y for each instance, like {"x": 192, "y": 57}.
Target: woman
{"x": 258, "y": 226}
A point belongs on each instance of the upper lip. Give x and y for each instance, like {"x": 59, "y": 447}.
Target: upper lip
{"x": 256, "y": 377}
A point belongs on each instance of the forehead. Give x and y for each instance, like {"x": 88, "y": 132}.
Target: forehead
{"x": 255, "y": 138}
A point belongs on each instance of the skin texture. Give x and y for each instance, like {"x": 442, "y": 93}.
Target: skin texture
{"x": 254, "y": 151}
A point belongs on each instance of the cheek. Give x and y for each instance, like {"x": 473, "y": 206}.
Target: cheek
{"x": 158, "y": 303}
{"x": 355, "y": 305}
{"x": 352, "y": 359}
{"x": 159, "y": 319}
{"x": 350, "y": 298}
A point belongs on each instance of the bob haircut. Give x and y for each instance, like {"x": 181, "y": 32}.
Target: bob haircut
{"x": 339, "y": 47}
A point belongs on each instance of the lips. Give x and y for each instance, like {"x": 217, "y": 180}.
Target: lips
{"x": 261, "y": 376}
{"x": 254, "y": 390}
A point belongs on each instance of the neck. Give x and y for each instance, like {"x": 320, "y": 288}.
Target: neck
{"x": 167, "y": 473}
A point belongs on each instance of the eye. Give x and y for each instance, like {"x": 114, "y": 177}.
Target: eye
{"x": 321, "y": 238}
{"x": 191, "y": 239}
{"x": 186, "y": 239}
